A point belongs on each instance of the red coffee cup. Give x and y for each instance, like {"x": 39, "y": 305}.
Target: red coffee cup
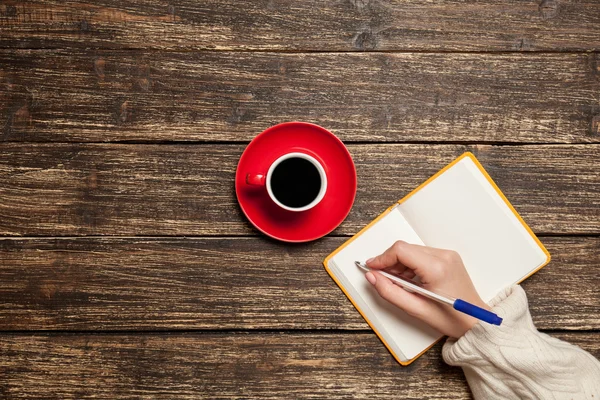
{"x": 295, "y": 181}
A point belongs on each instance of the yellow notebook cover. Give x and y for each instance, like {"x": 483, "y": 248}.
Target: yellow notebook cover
{"x": 432, "y": 178}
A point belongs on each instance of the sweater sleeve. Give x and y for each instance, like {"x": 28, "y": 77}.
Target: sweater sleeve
{"x": 515, "y": 361}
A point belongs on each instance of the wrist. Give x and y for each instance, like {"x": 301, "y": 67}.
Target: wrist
{"x": 467, "y": 322}
{"x": 511, "y": 305}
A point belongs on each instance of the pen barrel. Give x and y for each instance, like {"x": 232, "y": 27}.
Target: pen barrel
{"x": 477, "y": 312}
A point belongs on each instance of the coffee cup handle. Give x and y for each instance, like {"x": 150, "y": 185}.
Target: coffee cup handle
{"x": 256, "y": 179}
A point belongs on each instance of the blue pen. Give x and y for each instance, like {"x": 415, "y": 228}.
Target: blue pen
{"x": 458, "y": 304}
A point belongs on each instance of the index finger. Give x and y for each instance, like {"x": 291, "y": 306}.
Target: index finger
{"x": 412, "y": 256}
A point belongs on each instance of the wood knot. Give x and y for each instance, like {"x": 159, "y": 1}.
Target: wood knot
{"x": 522, "y": 44}
{"x": 244, "y": 96}
{"x": 548, "y": 9}
{"x": 271, "y": 5}
{"x": 594, "y": 61}
{"x": 123, "y": 113}
{"x": 171, "y": 12}
{"x": 360, "y": 4}
{"x": 48, "y": 290}
{"x": 92, "y": 180}
{"x": 144, "y": 84}
{"x": 99, "y": 65}
{"x": 9, "y": 12}
{"x": 365, "y": 40}
{"x": 22, "y": 116}
{"x": 596, "y": 125}
{"x": 143, "y": 80}
{"x": 84, "y": 26}
{"x": 237, "y": 114}
{"x": 143, "y": 69}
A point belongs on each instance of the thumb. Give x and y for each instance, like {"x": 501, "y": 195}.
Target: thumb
{"x": 411, "y": 303}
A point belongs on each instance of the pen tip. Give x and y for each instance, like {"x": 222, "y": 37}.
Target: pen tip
{"x": 361, "y": 265}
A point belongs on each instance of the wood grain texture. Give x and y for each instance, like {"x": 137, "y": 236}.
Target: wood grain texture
{"x": 127, "y": 316}
{"x": 100, "y": 96}
{"x": 352, "y": 25}
{"x": 229, "y": 366}
{"x": 97, "y": 189}
{"x": 238, "y": 283}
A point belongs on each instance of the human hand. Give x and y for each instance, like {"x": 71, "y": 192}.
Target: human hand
{"x": 439, "y": 271}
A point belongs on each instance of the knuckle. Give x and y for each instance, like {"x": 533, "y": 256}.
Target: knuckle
{"x": 385, "y": 292}
{"x": 438, "y": 267}
{"x": 451, "y": 256}
{"x": 398, "y": 244}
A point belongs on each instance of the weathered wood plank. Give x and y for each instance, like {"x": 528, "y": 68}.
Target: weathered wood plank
{"x": 229, "y": 366}
{"x": 506, "y": 25}
{"x": 241, "y": 283}
{"x": 98, "y": 189}
{"x": 100, "y": 96}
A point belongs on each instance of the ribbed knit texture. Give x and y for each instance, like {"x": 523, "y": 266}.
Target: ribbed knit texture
{"x": 515, "y": 361}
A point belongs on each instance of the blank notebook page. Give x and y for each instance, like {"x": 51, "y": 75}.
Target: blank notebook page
{"x": 411, "y": 335}
{"x": 461, "y": 210}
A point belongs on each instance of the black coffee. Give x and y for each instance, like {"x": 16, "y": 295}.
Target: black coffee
{"x": 295, "y": 182}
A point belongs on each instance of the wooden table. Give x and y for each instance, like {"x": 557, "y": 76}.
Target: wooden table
{"x": 126, "y": 267}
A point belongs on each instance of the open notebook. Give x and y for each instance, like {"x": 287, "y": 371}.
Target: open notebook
{"x": 460, "y": 208}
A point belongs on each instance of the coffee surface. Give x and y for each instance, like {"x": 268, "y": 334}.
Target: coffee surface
{"x": 295, "y": 182}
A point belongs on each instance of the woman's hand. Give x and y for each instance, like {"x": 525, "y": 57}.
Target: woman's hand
{"x": 439, "y": 271}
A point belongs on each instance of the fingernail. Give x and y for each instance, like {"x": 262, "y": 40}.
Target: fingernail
{"x": 371, "y": 278}
{"x": 370, "y": 260}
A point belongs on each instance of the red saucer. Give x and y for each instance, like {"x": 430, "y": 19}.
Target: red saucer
{"x": 291, "y": 226}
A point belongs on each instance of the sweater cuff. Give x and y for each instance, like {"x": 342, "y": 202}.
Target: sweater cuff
{"x": 511, "y": 305}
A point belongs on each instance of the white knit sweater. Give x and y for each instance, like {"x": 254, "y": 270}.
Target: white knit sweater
{"x": 515, "y": 361}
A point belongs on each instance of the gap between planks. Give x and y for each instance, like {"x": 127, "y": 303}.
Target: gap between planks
{"x": 349, "y": 142}
{"x": 295, "y": 51}
{"x": 225, "y": 332}
{"x": 242, "y": 236}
